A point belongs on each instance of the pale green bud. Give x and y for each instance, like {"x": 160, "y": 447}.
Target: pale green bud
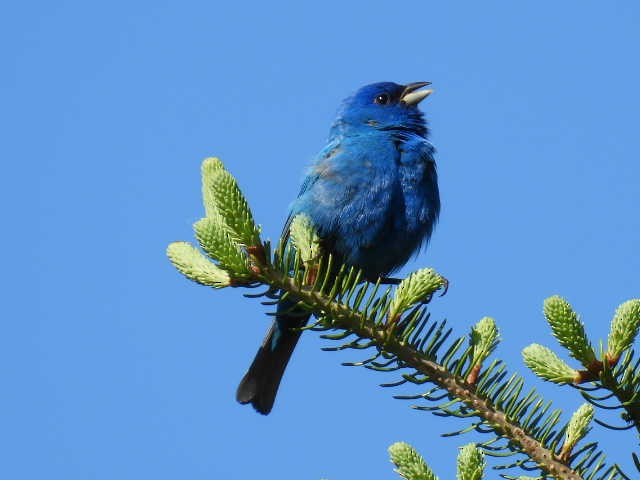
{"x": 409, "y": 463}
{"x": 568, "y": 329}
{"x": 305, "y": 238}
{"x": 214, "y": 239}
{"x": 415, "y": 288}
{"x": 193, "y": 265}
{"x": 223, "y": 197}
{"x": 624, "y": 328}
{"x": 578, "y": 426}
{"x": 547, "y": 365}
{"x": 471, "y": 463}
{"x": 484, "y": 338}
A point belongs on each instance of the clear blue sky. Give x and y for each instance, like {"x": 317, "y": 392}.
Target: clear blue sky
{"x": 114, "y": 366}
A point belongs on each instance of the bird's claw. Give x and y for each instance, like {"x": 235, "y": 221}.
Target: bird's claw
{"x": 445, "y": 286}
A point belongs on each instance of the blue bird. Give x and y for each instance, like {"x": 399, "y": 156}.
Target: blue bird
{"x": 372, "y": 194}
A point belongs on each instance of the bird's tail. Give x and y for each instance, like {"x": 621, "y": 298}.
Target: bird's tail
{"x": 260, "y": 384}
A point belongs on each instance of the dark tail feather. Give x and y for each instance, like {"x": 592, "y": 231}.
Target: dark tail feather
{"x": 260, "y": 384}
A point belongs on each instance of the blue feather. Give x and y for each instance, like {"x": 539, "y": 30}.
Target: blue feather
{"x": 372, "y": 194}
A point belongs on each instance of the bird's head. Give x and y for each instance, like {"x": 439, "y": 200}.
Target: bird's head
{"x": 384, "y": 106}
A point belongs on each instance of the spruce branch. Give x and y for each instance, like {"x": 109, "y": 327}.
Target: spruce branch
{"x": 617, "y": 372}
{"x": 622, "y": 380}
{"x": 396, "y": 325}
{"x": 337, "y": 316}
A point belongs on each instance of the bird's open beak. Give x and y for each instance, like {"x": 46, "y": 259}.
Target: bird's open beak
{"x": 412, "y": 96}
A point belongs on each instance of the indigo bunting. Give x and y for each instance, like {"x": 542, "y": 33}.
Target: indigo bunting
{"x": 372, "y": 195}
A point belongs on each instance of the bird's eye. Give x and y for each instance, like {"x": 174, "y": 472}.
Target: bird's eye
{"x": 382, "y": 99}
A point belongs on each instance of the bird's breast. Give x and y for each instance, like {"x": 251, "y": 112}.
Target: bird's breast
{"x": 372, "y": 201}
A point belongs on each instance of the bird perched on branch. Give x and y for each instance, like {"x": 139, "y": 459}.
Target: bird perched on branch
{"x": 372, "y": 195}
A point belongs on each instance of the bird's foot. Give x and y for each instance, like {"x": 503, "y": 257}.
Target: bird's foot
{"x": 445, "y": 286}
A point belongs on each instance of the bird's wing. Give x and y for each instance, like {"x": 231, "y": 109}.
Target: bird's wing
{"x": 328, "y": 152}
{"x": 418, "y": 174}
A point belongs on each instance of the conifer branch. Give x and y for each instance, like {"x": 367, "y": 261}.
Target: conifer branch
{"x": 343, "y": 318}
{"x": 396, "y": 324}
{"x": 623, "y": 381}
{"x": 612, "y": 370}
